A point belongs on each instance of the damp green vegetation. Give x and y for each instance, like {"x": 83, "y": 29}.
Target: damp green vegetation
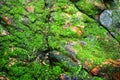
{"x": 34, "y": 35}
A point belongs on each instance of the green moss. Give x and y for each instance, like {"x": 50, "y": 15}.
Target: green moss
{"x": 88, "y": 7}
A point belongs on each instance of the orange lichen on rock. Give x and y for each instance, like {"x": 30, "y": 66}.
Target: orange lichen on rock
{"x": 95, "y": 71}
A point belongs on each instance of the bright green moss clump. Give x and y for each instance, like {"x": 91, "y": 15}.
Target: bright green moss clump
{"x": 91, "y": 7}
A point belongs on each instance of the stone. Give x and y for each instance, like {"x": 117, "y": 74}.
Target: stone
{"x": 71, "y": 52}
{"x": 58, "y": 57}
{"x": 83, "y": 43}
{"x": 110, "y": 20}
{"x": 106, "y": 18}
{"x": 64, "y": 77}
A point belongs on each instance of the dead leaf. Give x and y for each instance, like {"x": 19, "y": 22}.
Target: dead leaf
{"x": 95, "y": 71}
{"x": 115, "y": 63}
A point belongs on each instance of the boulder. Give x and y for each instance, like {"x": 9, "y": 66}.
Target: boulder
{"x": 110, "y": 20}
{"x": 106, "y": 18}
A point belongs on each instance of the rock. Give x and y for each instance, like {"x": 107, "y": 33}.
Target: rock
{"x": 83, "y": 43}
{"x": 70, "y": 49}
{"x": 64, "y": 77}
{"x": 95, "y": 71}
{"x": 106, "y": 18}
{"x": 39, "y": 28}
{"x": 71, "y": 52}
{"x": 110, "y": 20}
{"x": 58, "y": 57}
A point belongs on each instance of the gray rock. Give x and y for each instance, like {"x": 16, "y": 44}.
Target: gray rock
{"x": 110, "y": 19}
{"x": 65, "y": 61}
{"x": 106, "y": 18}
{"x": 83, "y": 43}
{"x": 71, "y": 52}
{"x": 67, "y": 78}
{"x": 70, "y": 49}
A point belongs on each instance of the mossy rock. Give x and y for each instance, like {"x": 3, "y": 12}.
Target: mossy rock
{"x": 30, "y": 29}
